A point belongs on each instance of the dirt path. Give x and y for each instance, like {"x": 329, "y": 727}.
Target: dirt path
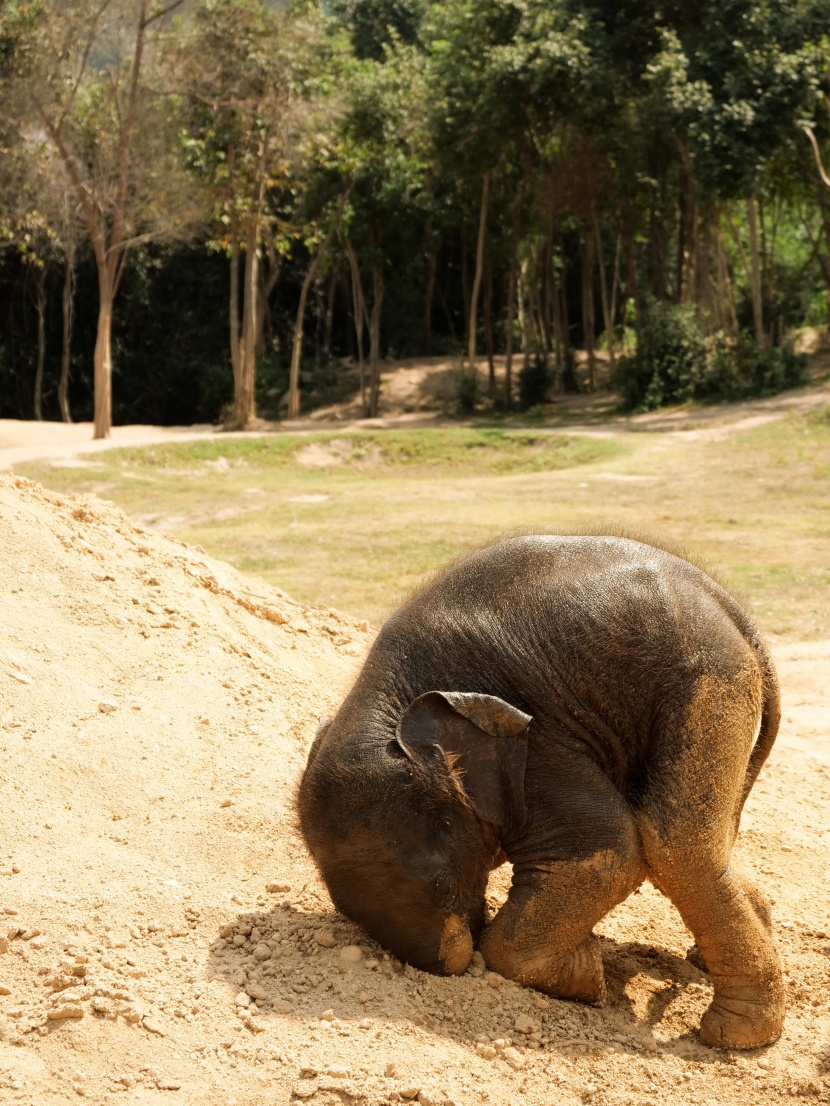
{"x": 164, "y": 938}
{"x": 66, "y": 445}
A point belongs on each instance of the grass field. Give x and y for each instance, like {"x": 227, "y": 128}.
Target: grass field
{"x": 354, "y": 520}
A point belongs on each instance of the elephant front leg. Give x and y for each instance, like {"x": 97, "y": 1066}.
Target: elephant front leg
{"x": 542, "y": 937}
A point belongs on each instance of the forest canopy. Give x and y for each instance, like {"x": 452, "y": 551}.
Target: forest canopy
{"x": 216, "y": 209}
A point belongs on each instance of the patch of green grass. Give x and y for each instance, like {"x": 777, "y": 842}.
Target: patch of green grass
{"x": 477, "y": 449}
{"x": 355, "y": 520}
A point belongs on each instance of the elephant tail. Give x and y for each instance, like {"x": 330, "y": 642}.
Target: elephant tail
{"x": 770, "y": 719}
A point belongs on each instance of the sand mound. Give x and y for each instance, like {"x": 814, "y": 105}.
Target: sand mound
{"x": 163, "y": 937}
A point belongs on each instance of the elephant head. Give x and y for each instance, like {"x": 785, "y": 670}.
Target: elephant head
{"x": 404, "y": 826}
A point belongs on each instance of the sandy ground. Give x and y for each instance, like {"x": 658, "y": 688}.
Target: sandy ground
{"x": 164, "y": 938}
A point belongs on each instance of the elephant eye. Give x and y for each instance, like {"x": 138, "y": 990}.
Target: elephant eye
{"x": 446, "y": 890}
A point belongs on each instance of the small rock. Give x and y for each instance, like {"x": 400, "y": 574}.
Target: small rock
{"x": 226, "y": 931}
{"x": 4, "y": 990}
{"x": 327, "y": 1016}
{"x": 262, "y": 952}
{"x": 351, "y": 954}
{"x": 337, "y": 1071}
{"x": 391, "y": 1071}
{"x": 326, "y": 939}
{"x": 242, "y": 999}
{"x": 590, "y": 1089}
{"x": 525, "y": 1024}
{"x": 541, "y": 1003}
{"x": 486, "y": 1051}
{"x": 226, "y": 803}
{"x": 169, "y": 1085}
{"x": 514, "y": 1058}
{"x": 409, "y": 1092}
{"x": 494, "y": 979}
{"x": 4, "y": 944}
{"x": 107, "y": 706}
{"x": 277, "y": 888}
{"x": 763, "y": 1061}
{"x": 306, "y": 1089}
{"x": 58, "y": 1013}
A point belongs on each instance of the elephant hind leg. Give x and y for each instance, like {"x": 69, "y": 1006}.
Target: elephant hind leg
{"x": 686, "y": 826}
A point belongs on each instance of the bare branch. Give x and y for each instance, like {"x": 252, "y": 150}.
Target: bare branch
{"x": 162, "y": 12}
{"x": 809, "y": 132}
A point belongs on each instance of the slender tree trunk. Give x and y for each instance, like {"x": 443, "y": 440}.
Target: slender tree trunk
{"x": 68, "y": 307}
{"x": 511, "y": 306}
{"x": 360, "y": 316}
{"x": 236, "y": 346}
{"x": 488, "y": 328}
{"x": 429, "y": 294}
{"x": 102, "y": 375}
{"x": 479, "y": 272}
{"x": 328, "y": 323}
{"x": 378, "y": 291}
{"x": 40, "y": 307}
{"x": 297, "y": 348}
{"x": 245, "y": 405}
{"x": 755, "y": 273}
{"x": 607, "y": 316}
{"x": 588, "y": 312}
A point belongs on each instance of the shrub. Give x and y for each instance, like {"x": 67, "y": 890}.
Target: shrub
{"x": 535, "y": 380}
{"x": 466, "y": 391}
{"x": 674, "y": 363}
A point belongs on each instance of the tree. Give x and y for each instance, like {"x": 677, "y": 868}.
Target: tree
{"x": 252, "y": 78}
{"x": 85, "y": 76}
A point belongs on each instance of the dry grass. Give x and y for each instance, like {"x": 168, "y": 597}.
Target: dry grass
{"x": 355, "y": 520}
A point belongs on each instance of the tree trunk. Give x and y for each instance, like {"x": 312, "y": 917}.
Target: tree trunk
{"x": 378, "y": 290}
{"x": 755, "y": 273}
{"x": 429, "y": 294}
{"x": 236, "y": 349}
{"x": 588, "y": 313}
{"x": 40, "y": 307}
{"x": 480, "y": 244}
{"x": 607, "y": 317}
{"x": 511, "y": 299}
{"x": 297, "y": 348}
{"x": 245, "y": 399}
{"x": 68, "y": 307}
{"x": 103, "y": 355}
{"x": 360, "y": 316}
{"x": 488, "y": 328}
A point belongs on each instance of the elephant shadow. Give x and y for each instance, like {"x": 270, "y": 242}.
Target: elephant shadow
{"x": 292, "y": 962}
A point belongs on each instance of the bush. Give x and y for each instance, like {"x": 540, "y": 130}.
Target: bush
{"x": 674, "y": 363}
{"x": 535, "y": 380}
{"x": 466, "y": 391}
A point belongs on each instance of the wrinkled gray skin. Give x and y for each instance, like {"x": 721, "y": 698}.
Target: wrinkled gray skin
{"x": 593, "y": 709}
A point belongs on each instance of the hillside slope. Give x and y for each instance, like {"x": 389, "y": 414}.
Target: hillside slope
{"x": 163, "y": 936}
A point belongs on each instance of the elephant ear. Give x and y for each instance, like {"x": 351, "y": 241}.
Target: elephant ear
{"x": 484, "y": 745}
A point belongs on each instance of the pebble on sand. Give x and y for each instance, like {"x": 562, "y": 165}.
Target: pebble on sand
{"x": 58, "y": 1013}
{"x": 262, "y": 952}
{"x": 4, "y": 990}
{"x": 525, "y": 1024}
{"x": 351, "y": 954}
{"x": 326, "y": 939}
{"x": 277, "y": 888}
{"x": 107, "y": 706}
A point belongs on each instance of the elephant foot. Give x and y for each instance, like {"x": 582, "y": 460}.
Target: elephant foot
{"x": 583, "y": 977}
{"x": 736, "y": 1023}
{"x": 580, "y": 977}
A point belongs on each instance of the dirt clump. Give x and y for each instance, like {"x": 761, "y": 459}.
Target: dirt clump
{"x": 163, "y": 935}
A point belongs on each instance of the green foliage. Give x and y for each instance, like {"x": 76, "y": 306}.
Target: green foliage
{"x": 467, "y": 392}
{"x": 675, "y": 363}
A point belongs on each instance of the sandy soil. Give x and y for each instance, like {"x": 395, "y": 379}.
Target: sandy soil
{"x": 163, "y": 936}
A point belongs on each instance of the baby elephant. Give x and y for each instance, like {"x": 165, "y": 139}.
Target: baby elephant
{"x": 592, "y": 709}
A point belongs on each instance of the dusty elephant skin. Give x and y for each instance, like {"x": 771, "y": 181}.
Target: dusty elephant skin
{"x": 591, "y": 708}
